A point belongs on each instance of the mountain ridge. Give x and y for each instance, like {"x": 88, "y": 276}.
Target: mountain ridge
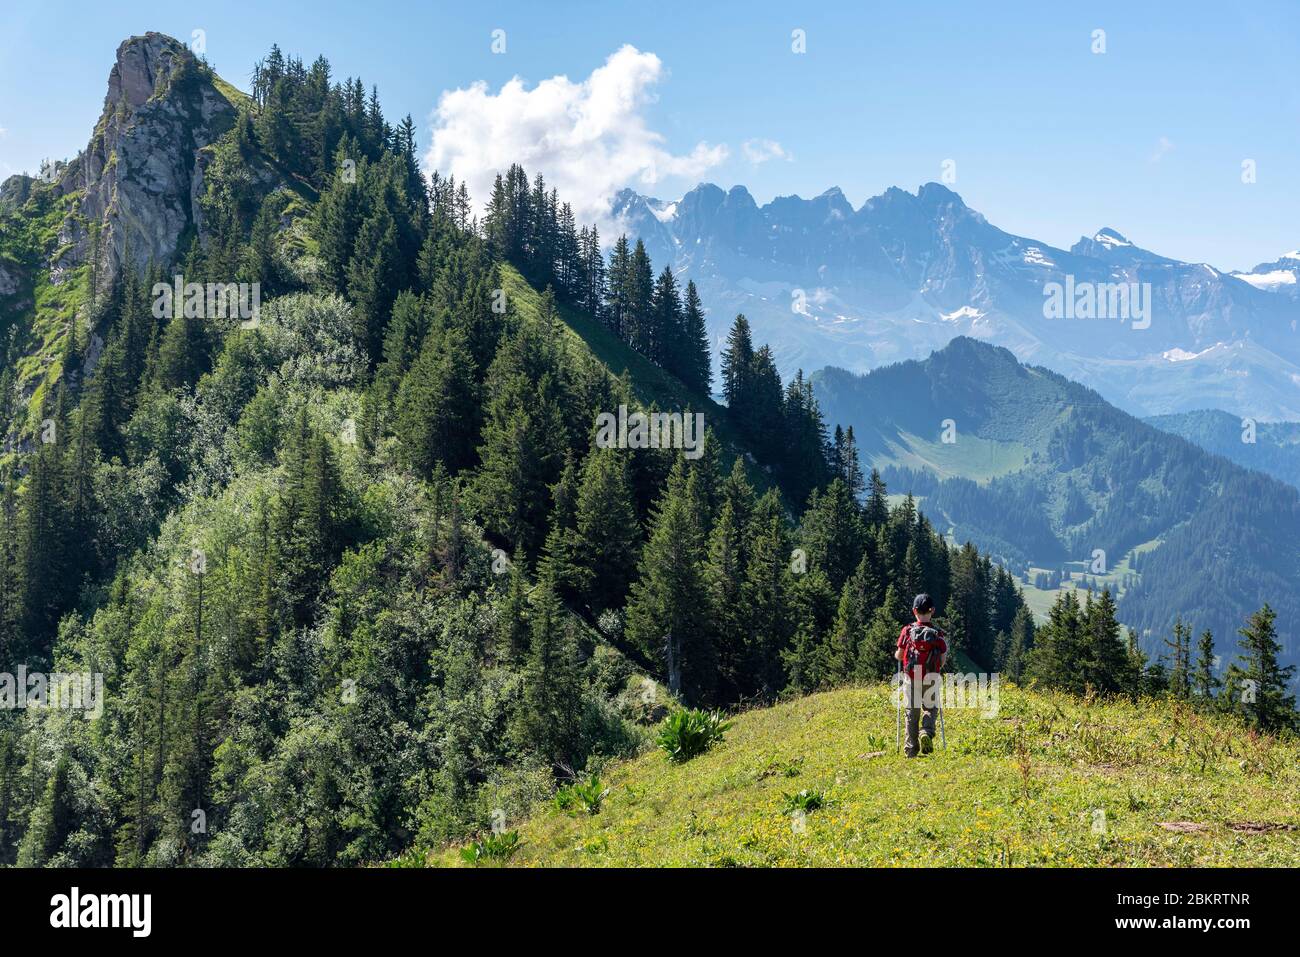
{"x": 828, "y": 284}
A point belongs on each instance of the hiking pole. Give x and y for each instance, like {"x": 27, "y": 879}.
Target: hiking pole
{"x": 943, "y": 739}
{"x": 898, "y": 707}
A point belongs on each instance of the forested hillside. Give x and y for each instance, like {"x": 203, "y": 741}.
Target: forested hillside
{"x": 1269, "y": 447}
{"x": 354, "y": 569}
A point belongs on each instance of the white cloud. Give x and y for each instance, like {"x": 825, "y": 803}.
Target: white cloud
{"x": 588, "y": 139}
{"x": 759, "y": 151}
{"x": 1162, "y": 147}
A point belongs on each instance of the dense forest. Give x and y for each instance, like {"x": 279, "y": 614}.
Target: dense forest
{"x": 357, "y": 574}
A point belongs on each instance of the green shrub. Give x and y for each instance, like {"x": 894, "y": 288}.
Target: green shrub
{"x": 806, "y": 800}
{"x": 492, "y": 847}
{"x": 587, "y": 795}
{"x": 688, "y": 733}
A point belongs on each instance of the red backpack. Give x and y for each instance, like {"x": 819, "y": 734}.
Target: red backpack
{"x": 923, "y": 648}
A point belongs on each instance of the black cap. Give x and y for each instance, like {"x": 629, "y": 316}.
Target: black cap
{"x": 923, "y": 602}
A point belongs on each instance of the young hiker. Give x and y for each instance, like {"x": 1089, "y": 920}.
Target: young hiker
{"x": 922, "y": 651}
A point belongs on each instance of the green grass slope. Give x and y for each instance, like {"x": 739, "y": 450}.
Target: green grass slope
{"x": 1050, "y": 781}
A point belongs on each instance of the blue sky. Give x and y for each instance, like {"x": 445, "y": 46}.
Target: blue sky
{"x": 1049, "y": 139}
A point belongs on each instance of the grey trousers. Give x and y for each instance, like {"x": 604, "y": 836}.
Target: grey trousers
{"x": 924, "y": 717}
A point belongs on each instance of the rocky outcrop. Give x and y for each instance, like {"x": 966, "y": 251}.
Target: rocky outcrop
{"x": 141, "y": 174}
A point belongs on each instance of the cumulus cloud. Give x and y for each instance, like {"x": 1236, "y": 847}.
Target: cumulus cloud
{"x": 1162, "y": 147}
{"x": 588, "y": 138}
{"x": 759, "y": 151}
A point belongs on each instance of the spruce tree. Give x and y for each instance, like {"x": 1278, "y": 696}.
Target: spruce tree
{"x": 664, "y": 339}
{"x": 667, "y": 615}
{"x": 737, "y": 364}
{"x": 436, "y": 407}
{"x": 549, "y": 721}
{"x": 876, "y": 510}
{"x": 725, "y": 576}
{"x": 608, "y": 535}
{"x": 1257, "y": 685}
{"x": 832, "y": 533}
{"x": 696, "y": 367}
{"x": 877, "y": 646}
{"x": 767, "y": 595}
{"x": 1204, "y": 681}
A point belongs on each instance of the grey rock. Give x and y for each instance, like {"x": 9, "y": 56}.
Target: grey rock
{"x": 141, "y": 174}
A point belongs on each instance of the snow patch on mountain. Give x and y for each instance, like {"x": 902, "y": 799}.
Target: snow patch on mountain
{"x": 1110, "y": 238}
{"x": 1268, "y": 280}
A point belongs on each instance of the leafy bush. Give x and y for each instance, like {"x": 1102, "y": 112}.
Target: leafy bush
{"x": 588, "y": 795}
{"x": 806, "y": 800}
{"x": 498, "y": 847}
{"x": 689, "y": 733}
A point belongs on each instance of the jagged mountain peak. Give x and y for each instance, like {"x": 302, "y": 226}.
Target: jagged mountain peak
{"x": 936, "y": 194}
{"x": 141, "y": 175}
{"x": 1110, "y": 237}
{"x": 143, "y": 66}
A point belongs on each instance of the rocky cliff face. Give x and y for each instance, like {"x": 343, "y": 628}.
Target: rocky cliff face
{"x": 142, "y": 173}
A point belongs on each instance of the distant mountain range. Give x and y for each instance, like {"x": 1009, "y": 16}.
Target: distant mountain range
{"x": 1043, "y": 472}
{"x": 900, "y": 276}
{"x": 1278, "y": 276}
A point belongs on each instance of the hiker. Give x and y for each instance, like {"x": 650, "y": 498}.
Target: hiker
{"x": 922, "y": 651}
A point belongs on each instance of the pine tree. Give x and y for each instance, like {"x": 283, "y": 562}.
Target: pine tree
{"x": 1020, "y": 642}
{"x": 639, "y": 320}
{"x": 437, "y": 411}
{"x": 1204, "y": 681}
{"x": 737, "y": 365}
{"x": 559, "y": 552}
{"x": 696, "y": 366}
{"x": 848, "y": 467}
{"x": 813, "y": 612}
{"x": 666, "y": 323}
{"x": 876, "y": 649}
{"x": 605, "y": 548}
{"x": 1057, "y": 657}
{"x": 1103, "y": 654}
{"x": 763, "y": 417}
{"x": 853, "y": 618}
{"x": 339, "y": 213}
{"x": 1180, "y": 674}
{"x": 41, "y": 553}
{"x": 1256, "y": 685}
{"x": 876, "y": 511}
{"x": 549, "y": 721}
{"x": 524, "y": 441}
{"x": 767, "y": 596}
{"x": 666, "y": 616}
{"x": 309, "y": 527}
{"x": 618, "y": 304}
{"x": 725, "y": 576}
{"x": 373, "y": 276}
{"x": 832, "y": 533}
{"x": 512, "y": 629}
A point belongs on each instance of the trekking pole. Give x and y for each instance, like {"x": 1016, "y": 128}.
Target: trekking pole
{"x": 943, "y": 739}
{"x": 898, "y": 707}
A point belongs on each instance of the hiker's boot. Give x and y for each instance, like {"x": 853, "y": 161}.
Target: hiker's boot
{"x": 927, "y": 743}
